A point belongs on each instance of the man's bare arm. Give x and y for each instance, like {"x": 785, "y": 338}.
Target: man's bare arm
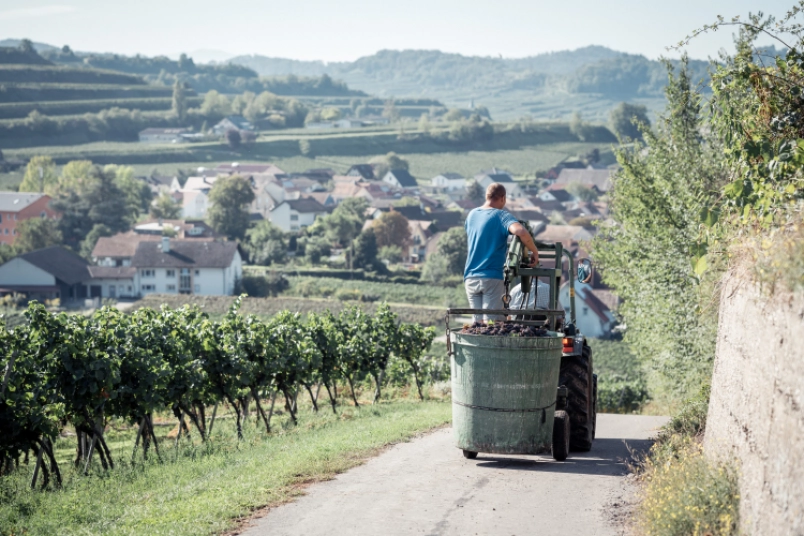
{"x": 517, "y": 229}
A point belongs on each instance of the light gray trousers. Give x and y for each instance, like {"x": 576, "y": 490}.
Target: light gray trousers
{"x": 485, "y": 294}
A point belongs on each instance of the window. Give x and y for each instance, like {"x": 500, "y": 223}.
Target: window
{"x": 148, "y": 288}
{"x": 1, "y": 218}
{"x": 129, "y": 288}
{"x": 170, "y": 273}
{"x": 294, "y": 217}
{"x": 196, "y": 288}
{"x": 585, "y": 311}
{"x": 14, "y": 232}
{"x": 43, "y": 214}
{"x": 198, "y": 272}
{"x": 171, "y": 288}
{"x": 5, "y": 231}
{"x": 148, "y": 273}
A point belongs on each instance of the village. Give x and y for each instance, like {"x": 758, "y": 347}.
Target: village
{"x": 184, "y": 254}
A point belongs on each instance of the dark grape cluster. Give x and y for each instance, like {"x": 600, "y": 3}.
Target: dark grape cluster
{"x": 504, "y": 329}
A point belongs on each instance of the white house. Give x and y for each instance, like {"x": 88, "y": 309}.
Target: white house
{"x": 296, "y": 214}
{"x": 232, "y": 122}
{"x": 593, "y": 317}
{"x": 512, "y": 189}
{"x": 194, "y": 204}
{"x": 449, "y": 181}
{"x": 203, "y": 267}
{"x": 401, "y": 178}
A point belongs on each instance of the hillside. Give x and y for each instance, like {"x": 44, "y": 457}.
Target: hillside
{"x": 553, "y": 85}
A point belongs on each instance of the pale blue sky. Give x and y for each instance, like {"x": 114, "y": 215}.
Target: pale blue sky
{"x": 336, "y": 30}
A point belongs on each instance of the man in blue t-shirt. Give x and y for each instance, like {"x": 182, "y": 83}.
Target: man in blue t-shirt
{"x": 487, "y": 230}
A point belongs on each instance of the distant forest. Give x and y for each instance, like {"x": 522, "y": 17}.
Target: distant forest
{"x": 593, "y": 69}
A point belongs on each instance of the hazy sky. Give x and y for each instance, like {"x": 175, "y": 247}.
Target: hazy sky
{"x": 336, "y": 30}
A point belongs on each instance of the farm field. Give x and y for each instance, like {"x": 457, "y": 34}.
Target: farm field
{"x": 217, "y": 306}
{"x": 207, "y": 489}
{"x": 399, "y": 293}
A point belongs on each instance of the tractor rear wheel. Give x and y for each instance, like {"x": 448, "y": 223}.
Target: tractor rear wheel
{"x": 576, "y": 375}
{"x": 561, "y": 435}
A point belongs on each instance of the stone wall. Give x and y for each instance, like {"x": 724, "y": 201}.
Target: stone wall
{"x": 756, "y": 412}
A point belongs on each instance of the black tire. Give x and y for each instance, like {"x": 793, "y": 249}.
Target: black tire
{"x": 594, "y": 405}
{"x": 576, "y": 375}
{"x": 562, "y": 430}
{"x": 469, "y": 454}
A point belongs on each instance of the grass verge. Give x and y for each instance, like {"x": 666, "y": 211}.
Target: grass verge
{"x": 206, "y": 489}
{"x": 683, "y": 492}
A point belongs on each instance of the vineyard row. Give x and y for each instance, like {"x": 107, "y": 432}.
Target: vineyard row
{"x": 69, "y": 368}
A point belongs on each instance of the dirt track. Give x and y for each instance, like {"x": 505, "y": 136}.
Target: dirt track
{"x": 426, "y": 487}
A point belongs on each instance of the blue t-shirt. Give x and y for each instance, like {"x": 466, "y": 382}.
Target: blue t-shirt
{"x": 487, "y": 236}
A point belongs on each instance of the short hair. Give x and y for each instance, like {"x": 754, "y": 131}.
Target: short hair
{"x": 495, "y": 191}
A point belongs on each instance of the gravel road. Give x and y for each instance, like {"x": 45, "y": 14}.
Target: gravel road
{"x": 426, "y": 487}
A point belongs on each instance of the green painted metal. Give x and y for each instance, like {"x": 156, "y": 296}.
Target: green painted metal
{"x": 504, "y": 392}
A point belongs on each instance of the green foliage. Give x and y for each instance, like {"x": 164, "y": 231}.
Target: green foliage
{"x": 230, "y": 197}
{"x": 621, "y": 380}
{"x": 315, "y": 248}
{"x": 579, "y": 127}
{"x": 179, "y": 103}
{"x": 343, "y": 224}
{"x": 582, "y": 191}
{"x": 165, "y": 207}
{"x": 100, "y": 201}
{"x": 263, "y": 286}
{"x": 265, "y": 244}
{"x": 383, "y": 164}
{"x": 757, "y": 112}
{"x": 648, "y": 255}
{"x": 40, "y": 175}
{"x": 392, "y": 229}
{"x": 364, "y": 251}
{"x": 390, "y": 254}
{"x": 36, "y": 233}
{"x": 88, "y": 244}
{"x": 625, "y": 119}
{"x": 453, "y": 246}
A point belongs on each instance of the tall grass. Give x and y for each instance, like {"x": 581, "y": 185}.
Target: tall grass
{"x": 207, "y": 488}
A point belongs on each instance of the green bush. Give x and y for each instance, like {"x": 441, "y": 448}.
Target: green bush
{"x": 345, "y": 294}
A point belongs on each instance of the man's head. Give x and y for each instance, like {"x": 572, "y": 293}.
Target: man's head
{"x": 495, "y": 195}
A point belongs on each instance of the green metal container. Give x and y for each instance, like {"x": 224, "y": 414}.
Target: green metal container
{"x": 504, "y": 392}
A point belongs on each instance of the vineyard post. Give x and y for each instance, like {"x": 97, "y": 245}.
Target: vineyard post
{"x": 35, "y": 476}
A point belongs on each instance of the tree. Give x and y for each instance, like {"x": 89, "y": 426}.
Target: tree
{"x": 27, "y": 46}
{"x": 579, "y": 127}
{"x": 391, "y": 111}
{"x": 137, "y": 193}
{"x": 315, "y": 248}
{"x": 40, "y": 175}
{"x": 648, "y": 254}
{"x": 179, "y": 104}
{"x": 88, "y": 244}
{"x": 102, "y": 201}
{"x": 452, "y": 115}
{"x": 453, "y": 247}
{"x": 392, "y": 229}
{"x": 330, "y": 114}
{"x": 36, "y": 233}
{"x": 625, "y": 118}
{"x": 391, "y": 254}
{"x": 266, "y": 244}
{"x": 364, "y": 249}
{"x": 475, "y": 192}
{"x": 583, "y": 192}
{"x": 233, "y": 138}
{"x": 215, "y": 105}
{"x": 165, "y": 207}
{"x": 388, "y": 162}
{"x": 230, "y": 197}
{"x": 345, "y": 222}
{"x": 436, "y": 269}
{"x": 74, "y": 175}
